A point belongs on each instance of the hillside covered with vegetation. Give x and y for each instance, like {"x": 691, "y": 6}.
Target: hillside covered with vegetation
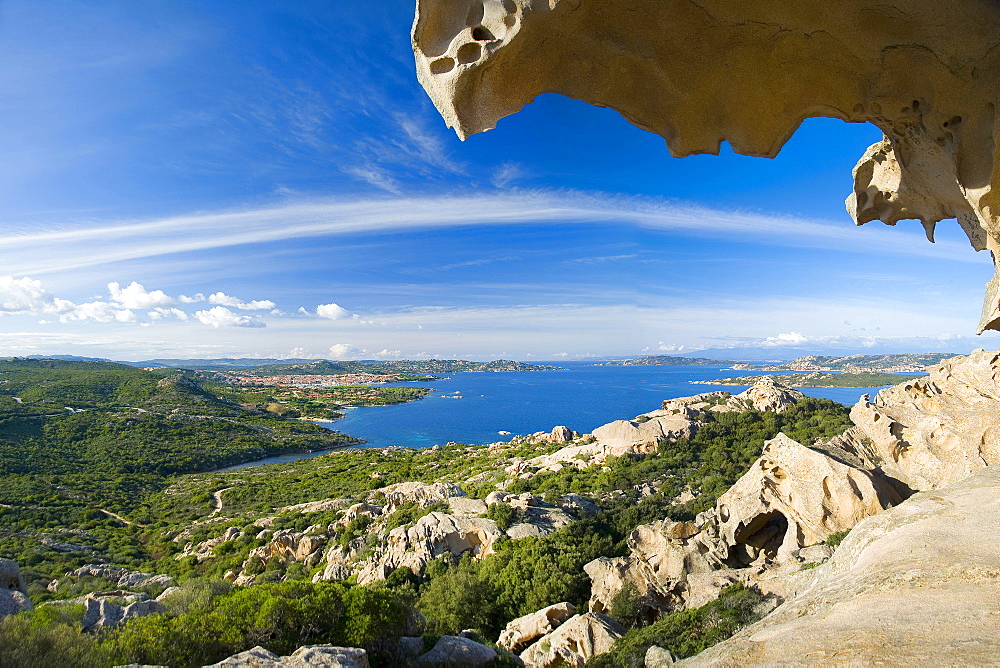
{"x": 114, "y": 482}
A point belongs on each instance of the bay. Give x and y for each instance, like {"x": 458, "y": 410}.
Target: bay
{"x": 474, "y": 407}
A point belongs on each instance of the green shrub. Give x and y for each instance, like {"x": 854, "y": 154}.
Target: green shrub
{"x": 280, "y": 617}
{"x": 687, "y": 632}
{"x": 39, "y": 640}
{"x": 457, "y": 600}
{"x": 836, "y": 538}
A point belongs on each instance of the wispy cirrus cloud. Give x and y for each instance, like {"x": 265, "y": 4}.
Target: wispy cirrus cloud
{"x": 74, "y": 247}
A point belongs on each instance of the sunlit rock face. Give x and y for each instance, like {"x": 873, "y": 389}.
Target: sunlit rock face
{"x": 933, "y": 431}
{"x": 700, "y": 73}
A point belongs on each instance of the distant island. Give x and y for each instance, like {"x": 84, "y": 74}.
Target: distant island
{"x": 320, "y": 367}
{"x": 668, "y": 360}
{"x": 819, "y": 379}
{"x": 904, "y": 363}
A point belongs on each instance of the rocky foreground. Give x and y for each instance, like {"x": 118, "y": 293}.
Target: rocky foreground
{"x": 915, "y": 580}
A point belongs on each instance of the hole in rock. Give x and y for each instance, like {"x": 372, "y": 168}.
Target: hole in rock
{"x": 509, "y": 20}
{"x": 475, "y": 15}
{"x": 482, "y": 34}
{"x": 469, "y": 53}
{"x": 509, "y": 6}
{"x": 761, "y": 536}
{"x": 442, "y": 65}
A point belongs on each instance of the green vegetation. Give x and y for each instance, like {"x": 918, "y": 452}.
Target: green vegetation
{"x": 84, "y": 442}
{"x": 820, "y": 379}
{"x": 324, "y": 403}
{"x": 114, "y": 483}
{"x": 709, "y": 463}
{"x": 687, "y": 632}
{"x": 836, "y": 538}
{"x": 217, "y": 622}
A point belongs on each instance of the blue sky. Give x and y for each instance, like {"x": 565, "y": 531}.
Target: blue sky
{"x": 268, "y": 179}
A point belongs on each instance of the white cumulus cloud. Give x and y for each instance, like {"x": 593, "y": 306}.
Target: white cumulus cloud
{"x": 343, "y": 351}
{"x": 99, "y": 311}
{"x": 220, "y": 316}
{"x": 27, "y": 296}
{"x": 332, "y": 311}
{"x": 786, "y": 339}
{"x": 135, "y": 295}
{"x": 227, "y": 300}
{"x": 161, "y": 313}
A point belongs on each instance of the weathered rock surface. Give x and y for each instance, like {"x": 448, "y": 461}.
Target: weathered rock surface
{"x": 419, "y": 493}
{"x": 287, "y": 546}
{"x": 204, "y": 549}
{"x": 575, "y": 641}
{"x": 939, "y": 429}
{"x": 107, "y": 610}
{"x": 917, "y": 584}
{"x": 767, "y": 395}
{"x": 13, "y": 593}
{"x": 702, "y": 73}
{"x": 657, "y": 657}
{"x": 311, "y": 656}
{"x": 457, "y": 651}
{"x": 794, "y": 496}
{"x": 623, "y": 436}
{"x": 123, "y": 577}
{"x": 663, "y": 557}
{"x": 433, "y": 535}
{"x": 522, "y": 631}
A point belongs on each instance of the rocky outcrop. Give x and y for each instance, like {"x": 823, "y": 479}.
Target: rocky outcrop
{"x": 312, "y": 656}
{"x": 914, "y": 585}
{"x": 767, "y": 395}
{"x": 433, "y": 535}
{"x": 13, "y": 593}
{"x": 104, "y": 611}
{"x": 794, "y": 496}
{"x": 935, "y": 430}
{"x": 645, "y": 434}
{"x": 523, "y": 631}
{"x": 419, "y": 493}
{"x": 288, "y": 546}
{"x": 457, "y": 651}
{"x": 926, "y": 77}
{"x": 122, "y": 578}
{"x": 205, "y": 549}
{"x": 663, "y": 557}
{"x": 575, "y": 641}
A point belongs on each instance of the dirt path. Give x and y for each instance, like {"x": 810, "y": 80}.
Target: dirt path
{"x": 217, "y": 496}
{"x": 118, "y": 517}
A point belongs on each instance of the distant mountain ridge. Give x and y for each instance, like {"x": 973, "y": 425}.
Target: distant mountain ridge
{"x": 668, "y": 360}
{"x": 902, "y": 362}
{"x": 319, "y": 367}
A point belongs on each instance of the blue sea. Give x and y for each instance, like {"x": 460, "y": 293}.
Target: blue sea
{"x": 474, "y": 407}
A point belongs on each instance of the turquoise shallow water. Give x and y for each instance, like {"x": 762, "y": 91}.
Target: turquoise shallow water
{"x": 474, "y": 407}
